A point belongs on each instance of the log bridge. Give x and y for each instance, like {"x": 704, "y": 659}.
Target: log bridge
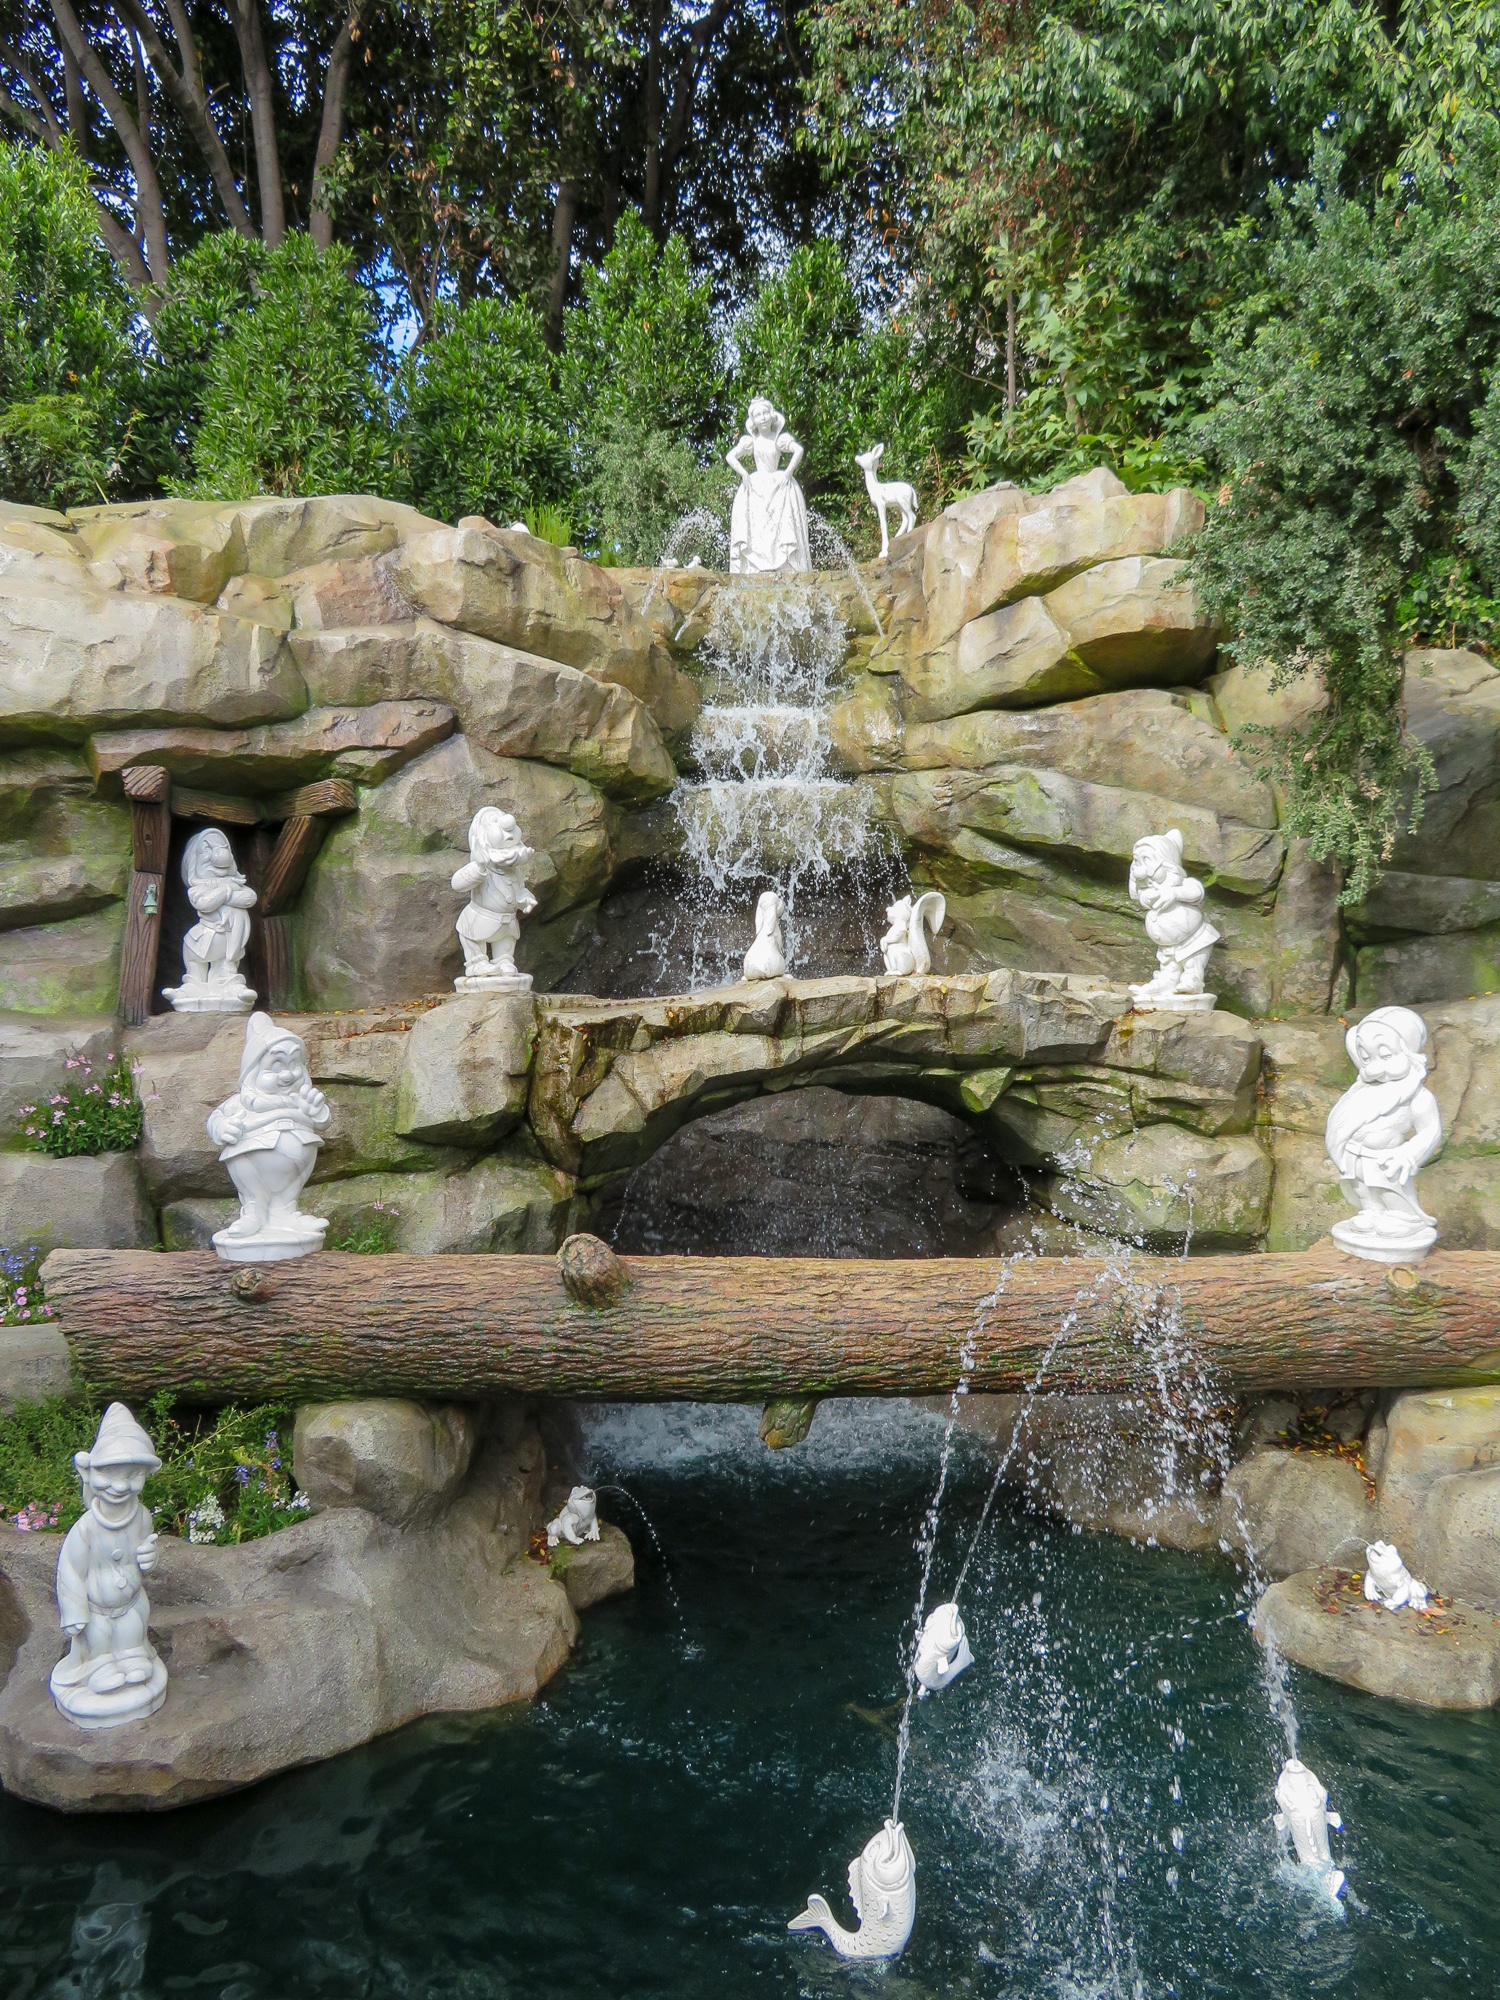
{"x": 587, "y": 1324}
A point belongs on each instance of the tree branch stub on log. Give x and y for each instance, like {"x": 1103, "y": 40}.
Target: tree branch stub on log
{"x": 751, "y": 1329}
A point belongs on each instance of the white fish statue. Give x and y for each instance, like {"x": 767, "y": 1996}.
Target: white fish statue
{"x": 883, "y": 1885}
{"x": 578, "y": 1522}
{"x": 904, "y": 946}
{"x": 942, "y": 1650}
{"x": 1389, "y": 1582}
{"x": 1303, "y": 1800}
{"x": 766, "y": 958}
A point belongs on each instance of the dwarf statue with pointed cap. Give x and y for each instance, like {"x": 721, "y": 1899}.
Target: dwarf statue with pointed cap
{"x": 489, "y": 925}
{"x": 111, "y": 1673}
{"x": 1382, "y": 1130}
{"x": 213, "y": 948}
{"x": 270, "y": 1135}
{"x": 1173, "y": 902}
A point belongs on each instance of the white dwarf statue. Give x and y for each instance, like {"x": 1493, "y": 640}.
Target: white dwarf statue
{"x": 1379, "y": 1133}
{"x": 766, "y": 958}
{"x": 1173, "y": 902}
{"x": 1389, "y": 1582}
{"x": 904, "y": 946}
{"x": 883, "y": 1888}
{"x": 270, "y": 1132}
{"x": 1302, "y": 1798}
{"x": 213, "y": 948}
{"x": 942, "y": 1650}
{"x": 768, "y": 522}
{"x": 887, "y": 493}
{"x": 578, "y": 1522}
{"x": 489, "y": 928}
{"x": 111, "y": 1673}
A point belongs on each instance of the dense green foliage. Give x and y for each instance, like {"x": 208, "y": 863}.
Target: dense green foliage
{"x": 1243, "y": 244}
{"x": 224, "y": 1475}
{"x": 64, "y": 335}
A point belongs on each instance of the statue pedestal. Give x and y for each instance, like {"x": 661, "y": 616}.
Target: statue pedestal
{"x": 492, "y": 982}
{"x": 1175, "y": 1003}
{"x": 275, "y": 1245}
{"x": 1386, "y": 1246}
{"x": 193, "y": 998}
{"x": 131, "y": 1703}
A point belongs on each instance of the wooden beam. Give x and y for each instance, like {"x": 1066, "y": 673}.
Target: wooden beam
{"x": 296, "y": 849}
{"x": 742, "y": 1329}
{"x": 148, "y": 788}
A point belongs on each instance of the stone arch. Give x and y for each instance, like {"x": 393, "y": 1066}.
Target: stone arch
{"x": 1142, "y": 1122}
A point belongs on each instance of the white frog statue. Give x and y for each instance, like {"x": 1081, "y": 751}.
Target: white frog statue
{"x": 111, "y": 1672}
{"x": 1389, "y": 1582}
{"x": 270, "y": 1132}
{"x": 1382, "y": 1130}
{"x": 1303, "y": 1812}
{"x": 212, "y": 950}
{"x": 904, "y": 946}
{"x": 1173, "y": 902}
{"x": 578, "y": 1522}
{"x": 489, "y": 926}
{"x": 766, "y": 958}
{"x": 942, "y": 1651}
{"x": 883, "y": 1887}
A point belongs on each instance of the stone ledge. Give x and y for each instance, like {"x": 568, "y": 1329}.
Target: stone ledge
{"x": 1318, "y": 1618}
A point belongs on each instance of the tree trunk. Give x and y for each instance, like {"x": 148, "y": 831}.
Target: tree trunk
{"x": 185, "y": 88}
{"x": 742, "y": 1329}
{"x": 651, "y": 204}
{"x": 260, "y": 93}
{"x": 564, "y": 217}
{"x": 150, "y": 209}
{"x": 331, "y": 131}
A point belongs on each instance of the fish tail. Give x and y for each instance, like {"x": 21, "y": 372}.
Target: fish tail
{"x": 816, "y": 1917}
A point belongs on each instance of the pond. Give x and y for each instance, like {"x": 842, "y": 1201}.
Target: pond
{"x": 1090, "y": 1806}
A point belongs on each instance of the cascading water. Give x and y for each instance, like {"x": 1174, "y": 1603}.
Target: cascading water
{"x": 763, "y": 807}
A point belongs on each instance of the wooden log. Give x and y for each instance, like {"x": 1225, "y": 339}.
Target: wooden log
{"x": 742, "y": 1329}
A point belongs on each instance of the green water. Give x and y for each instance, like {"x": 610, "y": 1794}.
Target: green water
{"x": 648, "y": 1826}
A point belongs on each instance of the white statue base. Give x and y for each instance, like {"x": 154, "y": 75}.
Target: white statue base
{"x": 132, "y": 1701}
{"x": 1355, "y": 1239}
{"x": 275, "y": 1244}
{"x": 203, "y": 997}
{"x": 492, "y": 982}
{"x": 1144, "y": 1001}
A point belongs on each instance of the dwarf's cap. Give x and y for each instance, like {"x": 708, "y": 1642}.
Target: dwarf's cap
{"x": 121, "y": 1441}
{"x": 262, "y": 1034}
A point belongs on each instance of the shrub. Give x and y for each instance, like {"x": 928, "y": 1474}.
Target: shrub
{"x": 1344, "y": 401}
{"x": 481, "y": 428}
{"x": 68, "y": 371}
{"x": 210, "y": 286}
{"x": 294, "y": 402}
{"x": 223, "y": 1477}
{"x": 94, "y": 1112}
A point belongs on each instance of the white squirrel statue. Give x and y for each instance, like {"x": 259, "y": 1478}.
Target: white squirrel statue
{"x": 942, "y": 1651}
{"x": 766, "y": 958}
{"x": 884, "y": 493}
{"x": 904, "y": 945}
{"x": 1303, "y": 1802}
{"x": 883, "y": 1886}
{"x": 578, "y": 1522}
{"x": 1389, "y": 1582}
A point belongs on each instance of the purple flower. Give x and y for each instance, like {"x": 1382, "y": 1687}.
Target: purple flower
{"x": 242, "y": 1474}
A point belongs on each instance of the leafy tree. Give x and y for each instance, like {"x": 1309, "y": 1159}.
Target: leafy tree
{"x": 67, "y": 367}
{"x": 481, "y": 428}
{"x": 210, "y": 287}
{"x": 1354, "y": 420}
{"x": 643, "y": 381}
{"x": 295, "y": 401}
{"x": 844, "y": 385}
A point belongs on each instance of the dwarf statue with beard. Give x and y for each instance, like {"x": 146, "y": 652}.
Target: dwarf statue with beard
{"x": 1380, "y": 1132}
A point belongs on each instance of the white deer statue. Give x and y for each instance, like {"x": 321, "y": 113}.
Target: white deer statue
{"x": 897, "y": 493}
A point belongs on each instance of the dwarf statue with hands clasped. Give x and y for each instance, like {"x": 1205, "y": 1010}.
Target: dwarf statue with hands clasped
{"x": 1379, "y": 1133}
{"x": 111, "y": 1672}
{"x": 270, "y": 1132}
{"x": 213, "y": 948}
{"x": 1173, "y": 902}
{"x": 489, "y": 928}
